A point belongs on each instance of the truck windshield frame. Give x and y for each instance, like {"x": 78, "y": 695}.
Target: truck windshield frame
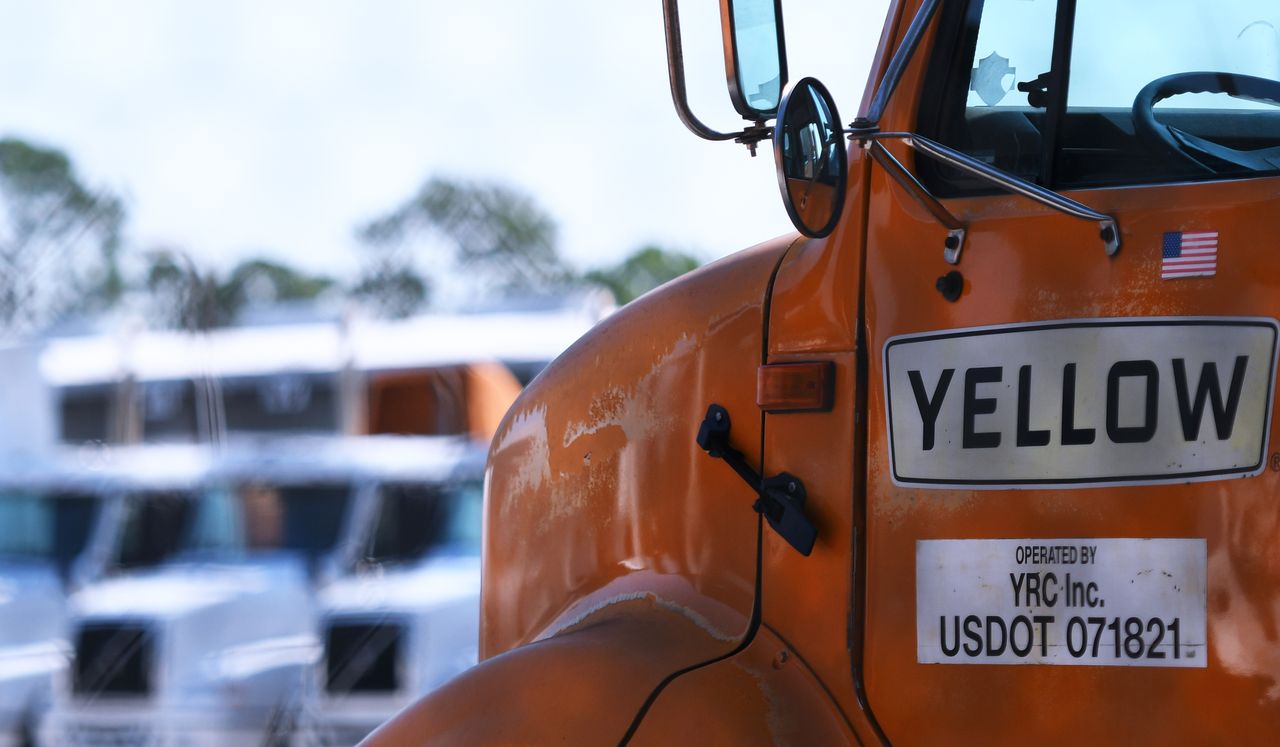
{"x": 1052, "y": 111}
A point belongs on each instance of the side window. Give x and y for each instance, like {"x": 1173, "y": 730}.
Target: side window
{"x": 1014, "y": 43}
{"x": 973, "y": 102}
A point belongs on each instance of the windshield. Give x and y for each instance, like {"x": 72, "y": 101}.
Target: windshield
{"x": 46, "y": 527}
{"x": 153, "y": 526}
{"x": 259, "y": 517}
{"x": 1163, "y": 37}
{"x": 416, "y": 518}
{"x": 1112, "y": 122}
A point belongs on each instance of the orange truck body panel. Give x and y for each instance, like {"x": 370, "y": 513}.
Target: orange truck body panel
{"x": 589, "y": 679}
{"x": 618, "y": 555}
{"x": 592, "y": 464}
{"x": 762, "y": 696}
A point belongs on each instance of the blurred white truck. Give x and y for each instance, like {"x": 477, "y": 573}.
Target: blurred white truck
{"x": 210, "y": 643}
{"x": 407, "y": 618}
{"x": 45, "y": 526}
{"x": 69, "y": 518}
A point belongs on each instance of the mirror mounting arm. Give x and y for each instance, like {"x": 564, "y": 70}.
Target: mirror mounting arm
{"x": 954, "y": 243}
{"x": 1108, "y": 226}
{"x": 753, "y": 135}
{"x": 869, "y": 124}
{"x": 679, "y": 93}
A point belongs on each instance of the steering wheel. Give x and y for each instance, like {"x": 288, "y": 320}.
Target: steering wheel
{"x": 1191, "y": 148}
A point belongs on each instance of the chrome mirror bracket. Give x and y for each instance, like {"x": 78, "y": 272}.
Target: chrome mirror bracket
{"x": 675, "y": 72}
{"x": 1109, "y": 232}
{"x": 952, "y": 245}
{"x": 1108, "y": 226}
{"x": 870, "y": 122}
{"x": 754, "y": 135}
{"x": 954, "y": 242}
{"x": 866, "y": 130}
{"x": 750, "y": 136}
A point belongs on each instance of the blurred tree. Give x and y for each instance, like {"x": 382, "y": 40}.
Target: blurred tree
{"x": 390, "y": 287}
{"x": 188, "y": 297}
{"x": 263, "y": 281}
{"x": 59, "y": 240}
{"x": 184, "y": 296}
{"x": 646, "y": 268}
{"x": 499, "y": 235}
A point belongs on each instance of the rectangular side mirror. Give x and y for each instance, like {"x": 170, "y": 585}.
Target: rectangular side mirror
{"x": 755, "y": 57}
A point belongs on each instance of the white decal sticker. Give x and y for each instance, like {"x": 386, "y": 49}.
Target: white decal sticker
{"x": 1080, "y": 403}
{"x": 1101, "y": 602}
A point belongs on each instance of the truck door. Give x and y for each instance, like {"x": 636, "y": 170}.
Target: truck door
{"x": 1070, "y": 484}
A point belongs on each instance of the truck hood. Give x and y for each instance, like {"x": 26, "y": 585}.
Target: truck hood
{"x": 31, "y": 604}
{"x": 179, "y": 590}
{"x": 595, "y": 484}
{"x": 425, "y": 584}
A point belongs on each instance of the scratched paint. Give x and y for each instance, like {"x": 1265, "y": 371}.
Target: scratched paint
{"x": 527, "y": 434}
{"x": 632, "y": 409}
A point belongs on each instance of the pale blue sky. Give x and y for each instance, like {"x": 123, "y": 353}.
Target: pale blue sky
{"x": 243, "y": 126}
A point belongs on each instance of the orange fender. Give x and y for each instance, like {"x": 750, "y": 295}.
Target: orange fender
{"x": 584, "y": 685}
{"x": 765, "y": 695}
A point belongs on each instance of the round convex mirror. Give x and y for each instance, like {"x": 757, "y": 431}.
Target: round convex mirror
{"x": 808, "y": 148}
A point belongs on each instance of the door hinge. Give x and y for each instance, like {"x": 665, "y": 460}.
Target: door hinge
{"x": 779, "y": 498}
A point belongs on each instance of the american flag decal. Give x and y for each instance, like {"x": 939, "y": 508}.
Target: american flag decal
{"x": 1189, "y": 255}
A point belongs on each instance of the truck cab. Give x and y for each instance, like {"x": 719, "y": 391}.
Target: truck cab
{"x": 204, "y": 625}
{"x": 76, "y": 519}
{"x": 981, "y": 454}
{"x": 49, "y": 516}
{"x": 404, "y": 616}
{"x": 126, "y": 601}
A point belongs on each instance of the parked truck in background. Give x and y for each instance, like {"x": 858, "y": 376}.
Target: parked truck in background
{"x": 48, "y": 517}
{"x": 205, "y": 626}
{"x": 982, "y": 454}
{"x": 69, "y": 519}
{"x": 405, "y": 617}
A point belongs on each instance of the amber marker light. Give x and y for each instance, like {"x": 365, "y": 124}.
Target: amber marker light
{"x": 795, "y": 387}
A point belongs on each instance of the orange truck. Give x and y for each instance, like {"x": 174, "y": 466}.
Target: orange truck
{"x": 981, "y": 454}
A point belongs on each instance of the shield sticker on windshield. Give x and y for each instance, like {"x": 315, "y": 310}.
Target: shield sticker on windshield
{"x": 988, "y": 79}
